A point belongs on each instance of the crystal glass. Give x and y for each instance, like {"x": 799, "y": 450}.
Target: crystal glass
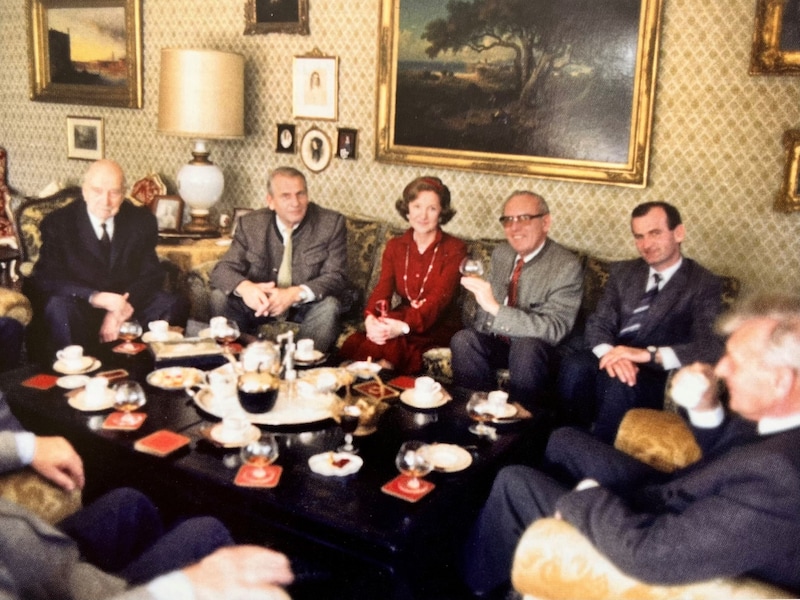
{"x": 471, "y": 267}
{"x": 260, "y": 454}
{"x": 349, "y": 416}
{"x": 480, "y": 410}
{"x": 128, "y": 397}
{"x": 129, "y": 331}
{"x": 412, "y": 461}
{"x": 225, "y": 334}
{"x": 382, "y": 308}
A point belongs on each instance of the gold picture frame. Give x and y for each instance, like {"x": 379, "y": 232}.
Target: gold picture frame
{"x": 110, "y": 76}
{"x": 770, "y": 54}
{"x": 788, "y": 199}
{"x": 315, "y": 86}
{"x": 472, "y": 110}
{"x": 316, "y": 150}
{"x": 276, "y": 16}
{"x": 85, "y": 138}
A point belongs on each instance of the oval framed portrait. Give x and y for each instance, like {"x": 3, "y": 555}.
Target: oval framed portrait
{"x": 315, "y": 150}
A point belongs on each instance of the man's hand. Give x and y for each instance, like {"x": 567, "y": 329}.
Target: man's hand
{"x": 109, "y": 329}
{"x": 695, "y": 387}
{"x": 282, "y": 299}
{"x": 482, "y": 290}
{"x": 240, "y": 573}
{"x": 118, "y": 310}
{"x": 256, "y": 296}
{"x": 56, "y": 459}
{"x": 621, "y": 362}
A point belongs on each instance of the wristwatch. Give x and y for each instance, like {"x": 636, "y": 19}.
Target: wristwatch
{"x": 653, "y": 357}
{"x": 303, "y": 295}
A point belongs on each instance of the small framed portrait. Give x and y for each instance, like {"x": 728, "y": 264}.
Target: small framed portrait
{"x": 315, "y": 150}
{"x": 315, "y": 86}
{"x": 285, "y": 138}
{"x": 346, "y": 144}
{"x": 238, "y": 213}
{"x": 276, "y": 16}
{"x": 169, "y": 213}
{"x": 85, "y": 138}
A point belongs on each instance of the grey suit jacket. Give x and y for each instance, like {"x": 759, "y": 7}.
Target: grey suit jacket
{"x": 681, "y": 316}
{"x": 549, "y": 294}
{"x": 319, "y": 252}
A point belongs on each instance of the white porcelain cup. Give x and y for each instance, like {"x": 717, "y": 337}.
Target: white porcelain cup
{"x": 688, "y": 388}
{"x": 234, "y": 427}
{"x": 218, "y": 322}
{"x": 425, "y": 390}
{"x": 326, "y": 382}
{"x": 497, "y": 398}
{"x": 159, "y": 329}
{"x": 305, "y": 349}
{"x": 71, "y": 356}
{"x": 222, "y": 385}
{"x": 95, "y": 391}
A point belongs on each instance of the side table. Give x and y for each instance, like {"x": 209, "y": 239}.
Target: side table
{"x": 189, "y": 253}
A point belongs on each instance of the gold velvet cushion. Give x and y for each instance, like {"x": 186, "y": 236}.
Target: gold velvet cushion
{"x": 659, "y": 438}
{"x": 29, "y": 218}
{"x": 555, "y": 561}
{"x": 15, "y": 305}
{"x": 40, "y": 496}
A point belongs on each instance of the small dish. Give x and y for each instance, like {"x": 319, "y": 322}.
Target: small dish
{"x": 175, "y": 378}
{"x": 503, "y": 411}
{"x": 216, "y": 433}
{"x": 72, "y": 382}
{"x": 78, "y": 401}
{"x": 335, "y": 464}
{"x": 316, "y": 358}
{"x": 439, "y": 399}
{"x": 170, "y": 336}
{"x": 363, "y": 369}
{"x": 88, "y": 363}
{"x": 448, "y": 458}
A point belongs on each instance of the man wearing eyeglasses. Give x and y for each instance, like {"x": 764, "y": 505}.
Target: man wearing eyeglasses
{"x": 527, "y": 306}
{"x": 656, "y": 314}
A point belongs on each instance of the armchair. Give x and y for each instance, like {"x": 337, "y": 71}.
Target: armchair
{"x": 29, "y": 489}
{"x": 555, "y": 561}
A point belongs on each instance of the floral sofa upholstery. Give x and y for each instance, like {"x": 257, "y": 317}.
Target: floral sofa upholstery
{"x": 43, "y": 498}
{"x": 366, "y": 239}
{"x": 554, "y": 561}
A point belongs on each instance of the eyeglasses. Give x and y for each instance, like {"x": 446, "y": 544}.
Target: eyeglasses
{"x": 507, "y": 220}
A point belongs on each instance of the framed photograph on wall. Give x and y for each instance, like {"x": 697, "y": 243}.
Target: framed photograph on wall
{"x": 315, "y": 86}
{"x": 776, "y": 39}
{"x": 286, "y": 139}
{"x": 276, "y": 16}
{"x": 169, "y": 213}
{"x": 315, "y": 150}
{"x": 85, "y": 51}
{"x": 520, "y": 90}
{"x": 347, "y": 144}
{"x": 788, "y": 198}
{"x": 85, "y": 138}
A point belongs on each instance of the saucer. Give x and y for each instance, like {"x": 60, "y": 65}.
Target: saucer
{"x": 251, "y": 434}
{"x": 170, "y": 336}
{"x": 448, "y": 458}
{"x": 439, "y": 399}
{"x": 363, "y": 369}
{"x": 316, "y": 357}
{"x": 87, "y": 364}
{"x": 507, "y": 411}
{"x": 336, "y": 464}
{"x": 72, "y": 382}
{"x": 78, "y": 401}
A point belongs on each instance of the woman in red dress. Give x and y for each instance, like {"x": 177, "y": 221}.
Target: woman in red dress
{"x": 421, "y": 267}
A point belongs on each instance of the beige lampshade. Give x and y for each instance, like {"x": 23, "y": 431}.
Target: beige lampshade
{"x": 201, "y": 94}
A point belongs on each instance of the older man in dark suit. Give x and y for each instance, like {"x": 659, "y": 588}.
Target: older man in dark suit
{"x": 287, "y": 261}
{"x": 656, "y": 314}
{"x": 98, "y": 267}
{"x": 733, "y": 513}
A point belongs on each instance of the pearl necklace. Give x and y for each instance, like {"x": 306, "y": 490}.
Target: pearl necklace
{"x": 416, "y": 303}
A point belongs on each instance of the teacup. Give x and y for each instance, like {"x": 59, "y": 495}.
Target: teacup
{"x": 71, "y": 356}
{"x": 222, "y": 385}
{"x": 217, "y": 323}
{"x": 233, "y": 428}
{"x": 497, "y": 399}
{"x": 305, "y": 349}
{"x": 95, "y": 392}
{"x": 159, "y": 330}
{"x": 426, "y": 389}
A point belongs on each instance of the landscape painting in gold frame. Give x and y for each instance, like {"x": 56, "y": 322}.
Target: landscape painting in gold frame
{"x": 776, "y": 39}
{"x": 85, "y": 51}
{"x": 557, "y": 90}
{"x": 788, "y": 199}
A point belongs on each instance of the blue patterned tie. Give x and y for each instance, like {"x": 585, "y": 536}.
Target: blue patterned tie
{"x": 636, "y": 318}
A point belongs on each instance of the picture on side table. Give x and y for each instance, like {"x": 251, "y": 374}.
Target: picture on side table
{"x": 286, "y": 140}
{"x": 315, "y": 150}
{"x": 346, "y": 144}
{"x": 85, "y": 138}
{"x": 315, "y": 86}
{"x": 169, "y": 213}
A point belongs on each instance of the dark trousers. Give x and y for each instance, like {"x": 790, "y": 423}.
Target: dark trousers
{"x": 11, "y": 336}
{"x": 122, "y": 533}
{"x": 589, "y": 396}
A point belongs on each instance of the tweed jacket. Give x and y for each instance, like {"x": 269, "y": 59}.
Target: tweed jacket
{"x": 681, "y": 316}
{"x": 319, "y": 252}
{"x": 71, "y": 261}
{"x": 735, "y": 512}
{"x": 549, "y": 294}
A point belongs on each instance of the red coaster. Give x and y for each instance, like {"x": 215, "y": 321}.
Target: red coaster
{"x": 133, "y": 348}
{"x": 161, "y": 442}
{"x": 42, "y": 381}
{"x": 124, "y": 421}
{"x": 376, "y": 390}
{"x": 402, "y": 382}
{"x": 399, "y": 488}
{"x": 249, "y": 476}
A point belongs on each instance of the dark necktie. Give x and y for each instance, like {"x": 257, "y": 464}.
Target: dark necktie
{"x": 636, "y": 318}
{"x": 105, "y": 242}
{"x": 513, "y": 284}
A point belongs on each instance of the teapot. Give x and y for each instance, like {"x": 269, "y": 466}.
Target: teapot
{"x": 261, "y": 356}
{"x": 258, "y": 391}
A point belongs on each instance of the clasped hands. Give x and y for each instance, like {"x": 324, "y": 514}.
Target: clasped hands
{"x": 267, "y": 299}
{"x": 118, "y": 310}
{"x": 382, "y": 329}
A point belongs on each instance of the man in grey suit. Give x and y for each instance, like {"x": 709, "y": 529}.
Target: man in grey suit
{"x": 527, "y": 307}
{"x": 287, "y": 262}
{"x": 656, "y": 314}
{"x": 116, "y": 542}
{"x": 733, "y": 513}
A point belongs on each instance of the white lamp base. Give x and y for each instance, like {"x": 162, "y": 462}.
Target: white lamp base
{"x": 200, "y": 184}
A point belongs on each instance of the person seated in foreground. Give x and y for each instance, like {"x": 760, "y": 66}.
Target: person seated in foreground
{"x": 286, "y": 262}
{"x": 98, "y": 268}
{"x": 733, "y": 513}
{"x": 12, "y": 334}
{"x": 421, "y": 267}
{"x": 117, "y": 546}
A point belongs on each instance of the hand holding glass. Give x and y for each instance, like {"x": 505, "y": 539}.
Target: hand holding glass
{"x": 128, "y": 396}
{"x": 412, "y": 461}
{"x": 471, "y": 267}
{"x": 260, "y": 454}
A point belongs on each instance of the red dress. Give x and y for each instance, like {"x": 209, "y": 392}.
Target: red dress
{"x": 435, "y": 319}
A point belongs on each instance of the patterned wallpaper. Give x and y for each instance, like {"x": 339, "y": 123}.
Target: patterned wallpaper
{"x": 716, "y": 148}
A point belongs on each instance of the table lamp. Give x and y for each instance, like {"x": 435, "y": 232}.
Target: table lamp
{"x": 201, "y": 96}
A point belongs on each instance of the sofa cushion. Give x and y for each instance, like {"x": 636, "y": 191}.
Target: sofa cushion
{"x": 659, "y": 438}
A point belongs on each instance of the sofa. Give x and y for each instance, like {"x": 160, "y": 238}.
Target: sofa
{"x": 554, "y": 561}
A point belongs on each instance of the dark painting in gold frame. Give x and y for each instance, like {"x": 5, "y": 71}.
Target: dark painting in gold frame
{"x": 776, "y": 40}
{"x": 110, "y": 75}
{"x": 458, "y": 112}
{"x": 276, "y": 16}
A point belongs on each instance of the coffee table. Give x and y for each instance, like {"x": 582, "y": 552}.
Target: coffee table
{"x": 348, "y": 519}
